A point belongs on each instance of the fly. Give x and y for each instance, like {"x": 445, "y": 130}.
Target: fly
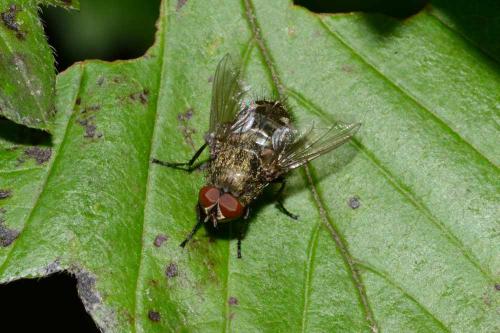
{"x": 252, "y": 143}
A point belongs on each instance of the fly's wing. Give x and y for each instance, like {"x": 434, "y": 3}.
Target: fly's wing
{"x": 314, "y": 143}
{"x": 226, "y": 94}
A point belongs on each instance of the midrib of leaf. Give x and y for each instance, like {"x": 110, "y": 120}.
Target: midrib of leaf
{"x": 23, "y": 74}
{"x": 49, "y": 168}
{"x": 249, "y": 13}
{"x": 162, "y": 63}
{"x": 398, "y": 186}
{"x": 406, "y": 93}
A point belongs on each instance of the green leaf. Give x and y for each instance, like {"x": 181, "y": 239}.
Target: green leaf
{"x": 420, "y": 253}
{"x": 27, "y": 71}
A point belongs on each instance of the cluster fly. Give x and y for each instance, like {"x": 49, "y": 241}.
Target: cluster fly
{"x": 253, "y": 143}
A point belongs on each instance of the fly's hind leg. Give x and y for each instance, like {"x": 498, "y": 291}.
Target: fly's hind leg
{"x": 279, "y": 199}
{"x": 187, "y": 166}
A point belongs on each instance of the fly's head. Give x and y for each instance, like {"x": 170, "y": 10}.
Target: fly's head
{"x": 218, "y": 206}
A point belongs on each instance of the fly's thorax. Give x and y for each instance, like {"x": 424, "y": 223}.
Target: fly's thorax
{"x": 234, "y": 167}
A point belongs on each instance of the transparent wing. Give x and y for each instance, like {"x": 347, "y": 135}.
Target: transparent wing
{"x": 314, "y": 143}
{"x": 226, "y": 94}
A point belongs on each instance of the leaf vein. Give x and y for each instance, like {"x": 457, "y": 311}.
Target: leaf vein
{"x": 406, "y": 93}
{"x": 401, "y": 188}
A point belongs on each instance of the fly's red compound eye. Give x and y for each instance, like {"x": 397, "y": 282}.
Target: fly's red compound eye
{"x": 230, "y": 207}
{"x": 209, "y": 195}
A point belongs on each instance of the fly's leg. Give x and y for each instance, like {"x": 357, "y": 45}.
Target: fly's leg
{"x": 187, "y": 166}
{"x": 191, "y": 234}
{"x": 279, "y": 199}
{"x": 241, "y": 232}
{"x": 195, "y": 228}
{"x": 239, "y": 247}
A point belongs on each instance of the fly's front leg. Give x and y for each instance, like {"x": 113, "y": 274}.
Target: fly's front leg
{"x": 187, "y": 166}
{"x": 279, "y": 199}
{"x": 241, "y": 231}
{"x": 193, "y": 231}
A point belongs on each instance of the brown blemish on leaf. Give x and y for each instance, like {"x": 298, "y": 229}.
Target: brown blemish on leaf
{"x": 91, "y": 108}
{"x": 141, "y": 96}
{"x": 232, "y": 301}
{"x": 180, "y": 4}
{"x": 9, "y": 20}
{"x": 40, "y": 155}
{"x": 53, "y": 267}
{"x": 171, "y": 270}
{"x": 52, "y": 112}
{"x": 78, "y": 101}
{"x": 210, "y": 79}
{"x": 5, "y": 193}
{"x": 486, "y": 299}
{"x": 354, "y": 202}
{"x": 497, "y": 286}
{"x": 86, "y": 289}
{"x": 154, "y": 316}
{"x": 100, "y": 81}
{"x": 88, "y": 122}
{"x": 347, "y": 68}
{"x": 159, "y": 239}
{"x": 90, "y": 128}
{"x": 7, "y": 235}
{"x": 187, "y": 132}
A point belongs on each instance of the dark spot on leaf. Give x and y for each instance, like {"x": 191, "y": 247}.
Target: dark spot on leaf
{"x": 90, "y": 131}
{"x": 78, "y": 101}
{"x": 171, "y": 270}
{"x": 7, "y": 235}
{"x": 52, "y": 112}
{"x": 347, "y": 68}
{"x": 9, "y": 20}
{"x": 86, "y": 289}
{"x": 141, "y": 96}
{"x": 40, "y": 155}
{"x": 90, "y": 127}
{"x": 159, "y": 239}
{"x": 180, "y": 4}
{"x": 232, "y": 301}
{"x": 354, "y": 202}
{"x": 4, "y": 193}
{"x": 210, "y": 78}
{"x": 154, "y": 316}
{"x": 100, "y": 81}
{"x": 91, "y": 108}
{"x": 67, "y": 2}
{"x": 153, "y": 283}
{"x": 187, "y": 132}
{"x": 497, "y": 286}
{"x": 486, "y": 299}
{"x": 53, "y": 267}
